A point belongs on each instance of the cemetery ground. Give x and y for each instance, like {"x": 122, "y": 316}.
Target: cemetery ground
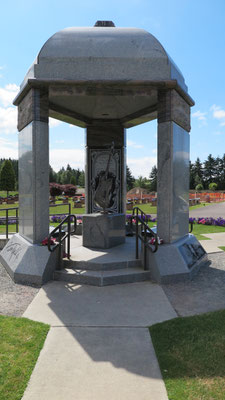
{"x": 20, "y": 345}
{"x": 190, "y": 349}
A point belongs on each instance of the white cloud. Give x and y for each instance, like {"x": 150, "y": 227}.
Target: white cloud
{"x": 201, "y": 116}
{"x": 8, "y": 94}
{"x": 130, "y": 143}
{"x": 8, "y": 149}
{"x": 54, "y": 122}
{"x": 61, "y": 157}
{"x": 8, "y": 113}
{"x": 218, "y": 113}
{"x": 141, "y": 166}
{"x": 8, "y": 120}
{"x": 59, "y": 141}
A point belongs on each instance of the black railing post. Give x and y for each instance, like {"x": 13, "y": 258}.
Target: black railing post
{"x": 17, "y": 230}
{"x": 60, "y": 247}
{"x": 145, "y": 252}
{"x": 136, "y": 236}
{"x": 7, "y": 222}
{"x": 68, "y": 238}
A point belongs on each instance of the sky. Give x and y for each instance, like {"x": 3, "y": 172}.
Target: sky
{"x": 191, "y": 31}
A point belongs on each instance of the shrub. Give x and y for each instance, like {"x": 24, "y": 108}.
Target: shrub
{"x": 55, "y": 189}
{"x": 69, "y": 189}
{"x": 213, "y": 186}
{"x": 199, "y": 187}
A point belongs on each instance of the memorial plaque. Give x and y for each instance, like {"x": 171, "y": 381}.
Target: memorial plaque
{"x": 99, "y": 160}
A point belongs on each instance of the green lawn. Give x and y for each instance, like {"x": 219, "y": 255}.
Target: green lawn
{"x": 191, "y": 354}
{"x": 199, "y": 230}
{"x": 222, "y": 248}
{"x": 3, "y": 193}
{"x": 21, "y": 341}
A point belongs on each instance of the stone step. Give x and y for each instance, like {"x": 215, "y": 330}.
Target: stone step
{"x": 102, "y": 278}
{"x": 101, "y": 264}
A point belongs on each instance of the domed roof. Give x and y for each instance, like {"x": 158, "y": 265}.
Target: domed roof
{"x": 104, "y": 53}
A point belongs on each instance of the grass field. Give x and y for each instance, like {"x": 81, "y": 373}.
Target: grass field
{"x": 191, "y": 354}
{"x": 20, "y": 344}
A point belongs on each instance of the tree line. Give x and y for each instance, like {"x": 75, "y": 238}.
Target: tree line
{"x": 209, "y": 174}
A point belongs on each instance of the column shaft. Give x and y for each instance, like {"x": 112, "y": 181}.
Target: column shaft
{"x": 34, "y": 166}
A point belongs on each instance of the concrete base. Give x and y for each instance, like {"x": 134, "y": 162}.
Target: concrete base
{"x": 177, "y": 261}
{"x": 28, "y": 263}
{"x": 103, "y": 231}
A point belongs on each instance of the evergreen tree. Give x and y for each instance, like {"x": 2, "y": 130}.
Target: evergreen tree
{"x": 52, "y": 175}
{"x": 7, "y": 176}
{"x": 209, "y": 170}
{"x": 130, "y": 179}
{"x": 81, "y": 180}
{"x": 142, "y": 182}
{"x": 197, "y": 173}
{"x": 73, "y": 180}
{"x": 153, "y": 179}
{"x": 191, "y": 175}
{"x": 221, "y": 185}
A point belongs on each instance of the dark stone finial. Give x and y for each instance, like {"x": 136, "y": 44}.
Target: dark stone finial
{"x": 105, "y": 24}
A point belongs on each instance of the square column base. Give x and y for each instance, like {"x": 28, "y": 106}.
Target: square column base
{"x": 103, "y": 231}
{"x": 176, "y": 262}
{"x": 27, "y": 263}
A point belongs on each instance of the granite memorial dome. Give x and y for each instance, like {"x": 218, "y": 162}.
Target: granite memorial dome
{"x": 104, "y": 53}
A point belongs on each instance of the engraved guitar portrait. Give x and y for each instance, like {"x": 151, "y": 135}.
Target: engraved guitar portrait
{"x": 105, "y": 184}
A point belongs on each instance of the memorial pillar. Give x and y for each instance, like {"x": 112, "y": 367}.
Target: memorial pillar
{"x": 173, "y": 166}
{"x": 33, "y": 166}
{"x": 99, "y": 138}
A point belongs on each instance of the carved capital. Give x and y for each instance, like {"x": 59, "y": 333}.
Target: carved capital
{"x": 33, "y": 107}
{"x": 172, "y": 107}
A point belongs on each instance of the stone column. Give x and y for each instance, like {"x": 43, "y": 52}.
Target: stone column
{"x": 173, "y": 166}
{"x": 99, "y": 138}
{"x": 33, "y": 166}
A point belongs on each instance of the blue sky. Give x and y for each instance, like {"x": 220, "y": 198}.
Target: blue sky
{"x": 191, "y": 31}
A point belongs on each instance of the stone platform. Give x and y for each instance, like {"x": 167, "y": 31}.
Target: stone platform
{"x": 100, "y": 267}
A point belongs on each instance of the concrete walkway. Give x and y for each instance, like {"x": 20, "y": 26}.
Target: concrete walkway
{"x": 214, "y": 210}
{"x": 99, "y": 345}
{"x": 216, "y": 241}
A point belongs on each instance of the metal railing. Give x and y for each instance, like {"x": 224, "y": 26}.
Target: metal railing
{"x": 7, "y": 219}
{"x": 60, "y": 235}
{"x": 144, "y": 233}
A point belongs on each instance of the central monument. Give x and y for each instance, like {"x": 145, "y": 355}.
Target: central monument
{"x": 106, "y": 229}
{"x": 105, "y": 79}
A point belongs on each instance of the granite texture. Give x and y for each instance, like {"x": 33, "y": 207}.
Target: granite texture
{"x": 103, "y": 230}
{"x": 34, "y": 181}
{"x": 28, "y": 263}
{"x": 173, "y": 182}
{"x": 104, "y": 53}
{"x": 172, "y": 107}
{"x": 33, "y": 107}
{"x": 177, "y": 261}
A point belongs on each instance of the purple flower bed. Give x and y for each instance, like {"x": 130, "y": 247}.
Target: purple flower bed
{"x": 11, "y": 221}
{"x": 208, "y": 221}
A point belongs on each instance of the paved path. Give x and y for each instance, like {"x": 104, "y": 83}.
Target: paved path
{"x": 99, "y": 345}
{"x": 216, "y": 240}
{"x": 215, "y": 210}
